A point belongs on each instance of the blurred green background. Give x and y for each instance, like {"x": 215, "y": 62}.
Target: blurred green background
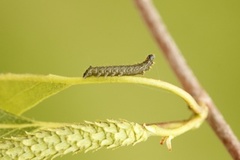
{"x": 65, "y": 37}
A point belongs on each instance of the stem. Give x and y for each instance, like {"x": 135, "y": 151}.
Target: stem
{"x": 145, "y": 81}
{"x": 194, "y": 122}
{"x": 186, "y": 76}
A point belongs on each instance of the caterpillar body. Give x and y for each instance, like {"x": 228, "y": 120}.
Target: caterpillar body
{"x": 121, "y": 70}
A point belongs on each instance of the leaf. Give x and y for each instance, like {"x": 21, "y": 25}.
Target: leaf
{"x": 19, "y": 93}
{"x": 12, "y": 125}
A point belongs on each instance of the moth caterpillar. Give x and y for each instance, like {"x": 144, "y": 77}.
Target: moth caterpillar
{"x": 120, "y": 70}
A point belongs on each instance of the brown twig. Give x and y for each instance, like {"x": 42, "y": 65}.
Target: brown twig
{"x": 186, "y": 76}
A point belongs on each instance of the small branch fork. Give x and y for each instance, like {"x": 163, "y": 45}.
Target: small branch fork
{"x": 186, "y": 76}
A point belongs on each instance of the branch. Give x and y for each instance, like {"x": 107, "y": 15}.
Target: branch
{"x": 186, "y": 76}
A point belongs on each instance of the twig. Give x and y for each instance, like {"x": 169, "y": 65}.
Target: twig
{"x": 186, "y": 76}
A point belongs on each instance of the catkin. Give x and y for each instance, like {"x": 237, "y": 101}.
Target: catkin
{"x": 54, "y": 142}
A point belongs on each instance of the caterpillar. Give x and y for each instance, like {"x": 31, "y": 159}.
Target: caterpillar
{"x": 121, "y": 70}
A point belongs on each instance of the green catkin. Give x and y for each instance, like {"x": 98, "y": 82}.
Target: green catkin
{"x": 90, "y": 136}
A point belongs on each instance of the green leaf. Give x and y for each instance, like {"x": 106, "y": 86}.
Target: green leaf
{"x": 19, "y": 93}
{"x": 12, "y": 125}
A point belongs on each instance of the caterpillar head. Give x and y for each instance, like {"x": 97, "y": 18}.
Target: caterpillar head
{"x": 151, "y": 57}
